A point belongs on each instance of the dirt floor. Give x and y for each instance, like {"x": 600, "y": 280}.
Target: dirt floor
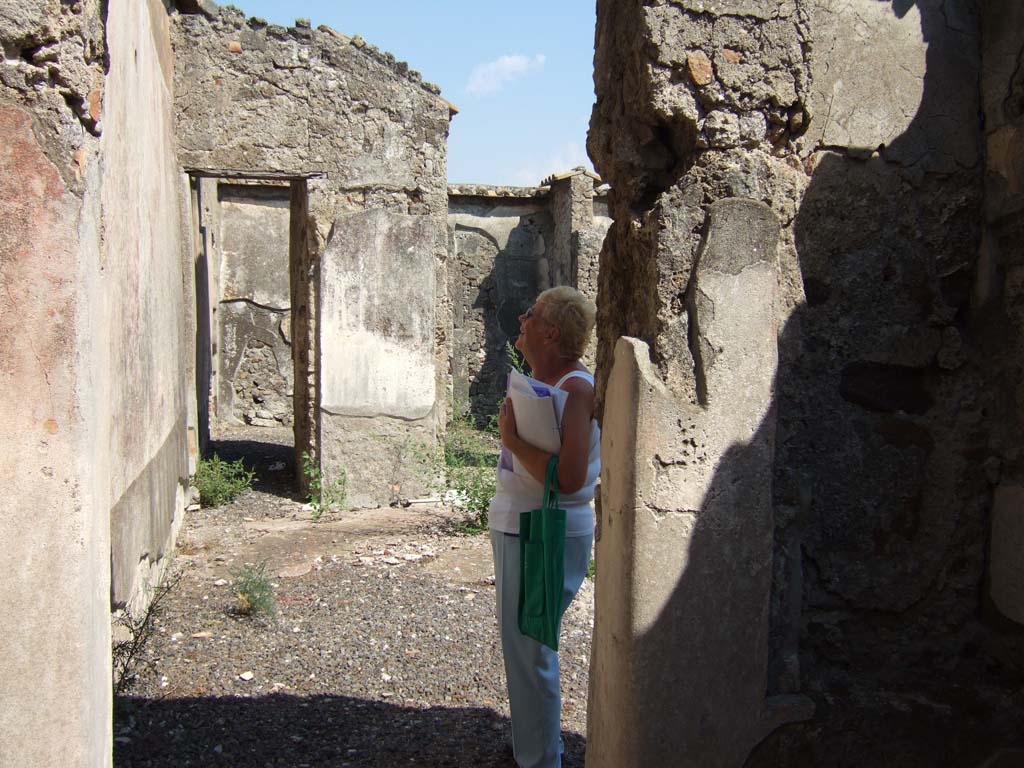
{"x": 382, "y": 650}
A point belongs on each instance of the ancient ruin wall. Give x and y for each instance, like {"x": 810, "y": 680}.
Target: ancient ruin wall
{"x": 999, "y": 295}
{"x": 506, "y": 245}
{"x": 855, "y": 123}
{"x": 95, "y": 400}
{"x": 370, "y": 136}
{"x": 255, "y": 351}
{"x": 495, "y": 243}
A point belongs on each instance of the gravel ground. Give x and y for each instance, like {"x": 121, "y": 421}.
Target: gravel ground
{"x": 383, "y": 650}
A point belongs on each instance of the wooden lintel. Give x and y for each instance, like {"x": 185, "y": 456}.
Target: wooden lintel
{"x": 232, "y": 173}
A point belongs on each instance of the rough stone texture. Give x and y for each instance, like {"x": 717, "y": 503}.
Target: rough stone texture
{"x": 495, "y": 246}
{"x": 377, "y": 309}
{"x": 255, "y": 352}
{"x": 999, "y": 293}
{"x": 686, "y": 522}
{"x": 306, "y": 349}
{"x": 357, "y": 131}
{"x": 894, "y": 390}
{"x": 1006, "y": 569}
{"x": 93, "y": 364}
{"x": 505, "y": 249}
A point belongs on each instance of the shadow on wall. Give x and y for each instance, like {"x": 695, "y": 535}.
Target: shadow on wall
{"x": 885, "y": 409}
{"x": 295, "y": 731}
{"x": 497, "y": 283}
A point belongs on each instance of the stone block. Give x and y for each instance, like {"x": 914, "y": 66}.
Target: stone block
{"x": 680, "y": 645}
{"x": 1006, "y": 554}
{"x": 26, "y": 21}
{"x": 378, "y": 375}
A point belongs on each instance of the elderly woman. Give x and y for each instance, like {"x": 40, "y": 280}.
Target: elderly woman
{"x": 552, "y": 336}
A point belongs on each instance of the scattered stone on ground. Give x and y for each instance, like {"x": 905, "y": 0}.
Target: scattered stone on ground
{"x": 383, "y": 650}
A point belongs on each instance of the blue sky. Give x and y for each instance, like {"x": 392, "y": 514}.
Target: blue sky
{"x": 520, "y": 73}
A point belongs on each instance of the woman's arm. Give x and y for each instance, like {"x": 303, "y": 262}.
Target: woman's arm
{"x": 574, "y": 456}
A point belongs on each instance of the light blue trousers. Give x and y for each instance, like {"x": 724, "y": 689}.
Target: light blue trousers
{"x": 531, "y": 669}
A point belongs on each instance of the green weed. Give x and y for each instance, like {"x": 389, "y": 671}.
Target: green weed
{"x": 220, "y": 481}
{"x": 127, "y": 654}
{"x": 470, "y": 456}
{"x": 323, "y": 494}
{"x": 515, "y": 360}
{"x": 253, "y": 592}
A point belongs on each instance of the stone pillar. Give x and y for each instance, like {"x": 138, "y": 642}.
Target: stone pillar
{"x": 572, "y": 208}
{"x": 304, "y": 336}
{"x": 680, "y": 643}
{"x": 1000, "y": 291}
{"x": 212, "y": 256}
{"x": 377, "y": 371}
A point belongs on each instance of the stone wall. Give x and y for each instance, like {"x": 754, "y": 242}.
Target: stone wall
{"x": 999, "y": 293}
{"x": 93, "y": 360}
{"x": 506, "y": 245}
{"x": 360, "y": 132}
{"x": 855, "y": 124}
{"x": 254, "y": 312}
{"x": 494, "y": 246}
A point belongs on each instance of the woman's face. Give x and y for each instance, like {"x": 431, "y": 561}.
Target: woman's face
{"x": 532, "y": 326}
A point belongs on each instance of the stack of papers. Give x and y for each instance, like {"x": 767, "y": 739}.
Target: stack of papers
{"x": 538, "y": 409}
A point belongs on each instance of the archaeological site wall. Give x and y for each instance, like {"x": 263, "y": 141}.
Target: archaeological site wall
{"x": 506, "y": 245}
{"x": 362, "y": 142}
{"x": 998, "y": 291}
{"x": 805, "y": 466}
{"x": 92, "y": 364}
{"x": 250, "y": 279}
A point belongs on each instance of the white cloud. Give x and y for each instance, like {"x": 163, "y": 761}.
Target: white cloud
{"x": 489, "y": 78}
{"x": 563, "y": 158}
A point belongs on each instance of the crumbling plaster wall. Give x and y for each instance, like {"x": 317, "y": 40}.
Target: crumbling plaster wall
{"x": 254, "y": 318}
{"x": 506, "y": 245}
{"x": 495, "y": 242}
{"x": 91, "y": 365}
{"x": 300, "y": 102}
{"x": 855, "y": 123}
{"x": 1000, "y": 294}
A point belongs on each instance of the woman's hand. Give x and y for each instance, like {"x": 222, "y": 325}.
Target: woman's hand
{"x": 507, "y": 424}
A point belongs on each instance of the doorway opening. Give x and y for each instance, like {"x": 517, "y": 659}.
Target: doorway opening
{"x": 254, "y": 323}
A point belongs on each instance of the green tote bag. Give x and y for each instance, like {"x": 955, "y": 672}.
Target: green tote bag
{"x": 542, "y": 565}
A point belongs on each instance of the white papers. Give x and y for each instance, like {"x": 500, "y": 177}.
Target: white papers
{"x": 538, "y": 410}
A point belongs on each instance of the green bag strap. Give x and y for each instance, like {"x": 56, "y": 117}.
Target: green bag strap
{"x": 550, "y": 500}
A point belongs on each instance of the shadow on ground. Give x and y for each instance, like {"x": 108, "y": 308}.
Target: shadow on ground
{"x": 265, "y": 453}
{"x": 285, "y": 730}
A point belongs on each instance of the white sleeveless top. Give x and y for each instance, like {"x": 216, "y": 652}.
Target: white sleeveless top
{"x": 521, "y": 493}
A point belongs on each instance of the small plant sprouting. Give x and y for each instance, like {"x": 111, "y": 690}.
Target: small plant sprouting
{"x": 469, "y": 459}
{"x": 220, "y": 481}
{"x": 323, "y": 494}
{"x": 515, "y": 360}
{"x": 127, "y": 654}
{"x": 253, "y": 592}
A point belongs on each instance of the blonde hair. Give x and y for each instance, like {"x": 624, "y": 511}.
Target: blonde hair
{"x": 572, "y": 314}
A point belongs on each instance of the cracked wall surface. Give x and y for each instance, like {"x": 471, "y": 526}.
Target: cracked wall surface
{"x": 255, "y": 380}
{"x": 506, "y": 245}
{"x": 365, "y": 133}
{"x": 856, "y": 123}
{"x": 93, "y": 356}
{"x": 1000, "y": 292}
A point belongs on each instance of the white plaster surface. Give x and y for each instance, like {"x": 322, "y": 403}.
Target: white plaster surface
{"x": 868, "y": 87}
{"x": 143, "y": 247}
{"x": 377, "y": 317}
